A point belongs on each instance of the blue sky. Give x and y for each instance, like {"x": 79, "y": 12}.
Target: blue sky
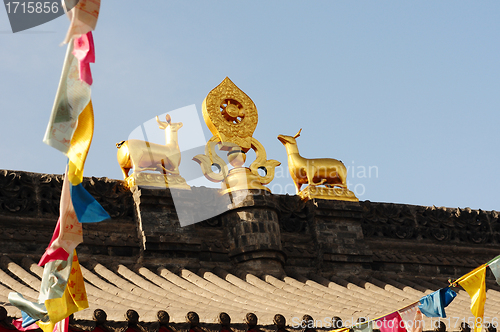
{"x": 408, "y": 88}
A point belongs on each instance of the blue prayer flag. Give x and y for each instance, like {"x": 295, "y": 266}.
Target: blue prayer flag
{"x": 86, "y": 207}
{"x": 433, "y": 305}
{"x": 27, "y": 320}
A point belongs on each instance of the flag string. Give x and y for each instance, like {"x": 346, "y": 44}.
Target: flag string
{"x": 452, "y": 283}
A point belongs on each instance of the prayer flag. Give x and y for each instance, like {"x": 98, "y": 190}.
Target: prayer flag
{"x": 363, "y": 327}
{"x": 77, "y": 207}
{"x": 412, "y": 318}
{"x": 54, "y": 280}
{"x": 73, "y": 299}
{"x": 54, "y": 253}
{"x": 68, "y": 233}
{"x": 25, "y": 323}
{"x": 80, "y": 144}
{"x": 474, "y": 283}
{"x": 433, "y": 305}
{"x": 495, "y": 268}
{"x": 71, "y": 124}
{"x": 87, "y": 209}
{"x": 37, "y": 311}
{"x": 72, "y": 97}
{"x": 342, "y": 329}
{"x": 390, "y": 323}
{"x": 83, "y": 18}
{"x": 83, "y": 50}
{"x": 62, "y": 326}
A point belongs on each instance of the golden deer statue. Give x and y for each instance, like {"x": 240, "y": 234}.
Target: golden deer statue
{"x": 146, "y": 156}
{"x": 314, "y": 172}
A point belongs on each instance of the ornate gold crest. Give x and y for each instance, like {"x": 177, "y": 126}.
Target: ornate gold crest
{"x": 230, "y": 114}
{"x": 232, "y": 118}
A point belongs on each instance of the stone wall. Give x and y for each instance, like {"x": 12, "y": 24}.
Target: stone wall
{"x": 263, "y": 233}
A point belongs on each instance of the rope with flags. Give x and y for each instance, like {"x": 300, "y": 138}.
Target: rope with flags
{"x": 409, "y": 318}
{"x": 70, "y": 131}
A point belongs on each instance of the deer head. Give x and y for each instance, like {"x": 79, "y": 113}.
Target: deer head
{"x": 163, "y": 125}
{"x": 289, "y": 139}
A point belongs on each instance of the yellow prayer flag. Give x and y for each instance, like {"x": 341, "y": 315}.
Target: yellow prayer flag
{"x": 46, "y": 327}
{"x": 80, "y": 144}
{"x": 74, "y": 299}
{"x": 342, "y": 329}
{"x": 475, "y": 285}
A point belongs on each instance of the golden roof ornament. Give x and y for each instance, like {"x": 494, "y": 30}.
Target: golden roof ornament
{"x": 326, "y": 178}
{"x": 143, "y": 156}
{"x": 230, "y": 114}
{"x": 232, "y": 118}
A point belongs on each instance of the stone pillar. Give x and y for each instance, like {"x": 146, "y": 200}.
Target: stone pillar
{"x": 254, "y": 233}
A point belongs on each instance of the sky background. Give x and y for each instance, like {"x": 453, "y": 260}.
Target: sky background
{"x": 410, "y": 89}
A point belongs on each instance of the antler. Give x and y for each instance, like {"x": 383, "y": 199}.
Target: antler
{"x": 163, "y": 124}
{"x": 297, "y": 134}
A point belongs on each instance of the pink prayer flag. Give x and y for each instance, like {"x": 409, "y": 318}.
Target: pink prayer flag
{"x": 391, "y": 323}
{"x": 51, "y": 253}
{"x": 412, "y": 318}
{"x": 84, "y": 51}
{"x": 68, "y": 233}
{"x": 62, "y": 326}
{"x": 18, "y": 323}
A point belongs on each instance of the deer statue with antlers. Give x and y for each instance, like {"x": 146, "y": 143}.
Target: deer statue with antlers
{"x": 146, "y": 156}
{"x": 314, "y": 172}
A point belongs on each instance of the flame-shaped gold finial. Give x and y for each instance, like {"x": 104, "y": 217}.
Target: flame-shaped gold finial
{"x": 232, "y": 118}
{"x": 230, "y": 114}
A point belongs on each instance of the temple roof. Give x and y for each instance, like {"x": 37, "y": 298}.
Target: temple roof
{"x": 117, "y": 288}
{"x": 273, "y": 254}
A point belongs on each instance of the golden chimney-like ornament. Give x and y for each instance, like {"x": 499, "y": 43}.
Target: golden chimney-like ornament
{"x": 232, "y": 118}
{"x": 326, "y": 178}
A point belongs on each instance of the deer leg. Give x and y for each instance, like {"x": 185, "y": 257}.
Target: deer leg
{"x": 297, "y": 186}
{"x": 310, "y": 176}
{"x": 168, "y": 171}
{"x": 174, "y": 171}
{"x": 138, "y": 169}
{"x": 125, "y": 172}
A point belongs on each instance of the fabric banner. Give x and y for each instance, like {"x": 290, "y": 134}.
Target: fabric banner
{"x": 74, "y": 299}
{"x": 72, "y": 96}
{"x": 342, "y": 329}
{"x": 83, "y": 18}
{"x": 54, "y": 280}
{"x": 80, "y": 144}
{"x": 83, "y": 50}
{"x": 37, "y": 311}
{"x": 25, "y": 323}
{"x": 52, "y": 253}
{"x": 495, "y": 268}
{"x": 475, "y": 285}
{"x": 363, "y": 327}
{"x": 62, "y": 326}
{"x": 412, "y": 318}
{"x": 390, "y": 323}
{"x": 433, "y": 305}
{"x": 70, "y": 231}
{"x": 87, "y": 209}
